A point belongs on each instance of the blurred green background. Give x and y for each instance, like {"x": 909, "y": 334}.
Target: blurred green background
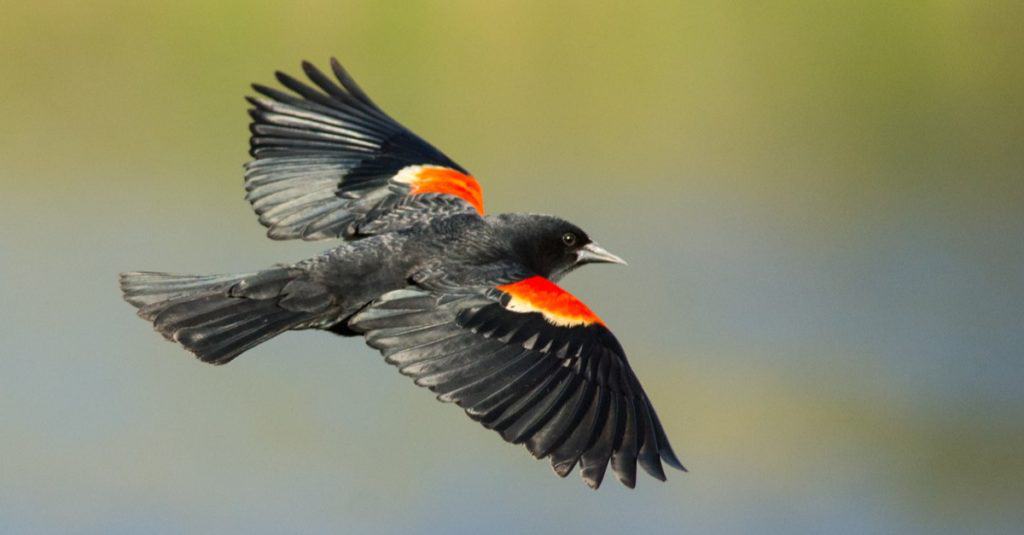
{"x": 822, "y": 204}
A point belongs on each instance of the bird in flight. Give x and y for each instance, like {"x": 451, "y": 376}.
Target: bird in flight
{"x": 465, "y": 303}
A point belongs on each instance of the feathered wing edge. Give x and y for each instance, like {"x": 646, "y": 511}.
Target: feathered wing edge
{"x": 585, "y": 409}
{"x": 324, "y": 155}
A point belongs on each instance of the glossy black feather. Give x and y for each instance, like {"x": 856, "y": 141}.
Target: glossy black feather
{"x": 565, "y": 392}
{"x": 324, "y": 159}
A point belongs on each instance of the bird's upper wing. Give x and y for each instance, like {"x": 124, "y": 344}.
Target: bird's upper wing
{"x": 531, "y": 362}
{"x": 327, "y": 162}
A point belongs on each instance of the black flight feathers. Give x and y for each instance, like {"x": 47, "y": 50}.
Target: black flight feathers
{"x": 566, "y": 393}
{"x": 323, "y": 158}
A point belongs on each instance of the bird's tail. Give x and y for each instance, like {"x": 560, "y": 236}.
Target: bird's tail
{"x": 218, "y": 317}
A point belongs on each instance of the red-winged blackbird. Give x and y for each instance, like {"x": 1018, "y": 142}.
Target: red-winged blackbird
{"x": 464, "y": 303}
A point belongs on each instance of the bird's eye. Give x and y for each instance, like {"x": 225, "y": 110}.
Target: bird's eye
{"x": 569, "y": 239}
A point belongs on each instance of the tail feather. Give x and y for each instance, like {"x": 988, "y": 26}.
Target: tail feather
{"x": 142, "y": 288}
{"x": 220, "y": 341}
{"x": 218, "y": 317}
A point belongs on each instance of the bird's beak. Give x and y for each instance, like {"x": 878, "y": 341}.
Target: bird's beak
{"x": 592, "y": 253}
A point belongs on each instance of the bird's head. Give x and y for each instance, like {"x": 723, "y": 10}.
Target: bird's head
{"x": 552, "y": 247}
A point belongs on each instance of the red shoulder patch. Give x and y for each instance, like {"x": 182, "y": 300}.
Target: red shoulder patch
{"x": 436, "y": 179}
{"x": 559, "y": 307}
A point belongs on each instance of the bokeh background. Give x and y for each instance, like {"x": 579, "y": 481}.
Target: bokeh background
{"x": 822, "y": 204}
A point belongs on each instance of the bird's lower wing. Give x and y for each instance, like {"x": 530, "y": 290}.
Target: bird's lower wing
{"x": 564, "y": 390}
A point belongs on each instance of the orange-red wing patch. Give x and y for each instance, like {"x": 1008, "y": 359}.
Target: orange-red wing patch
{"x": 436, "y": 179}
{"x": 559, "y": 307}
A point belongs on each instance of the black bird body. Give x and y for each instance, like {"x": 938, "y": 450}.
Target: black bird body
{"x": 463, "y": 302}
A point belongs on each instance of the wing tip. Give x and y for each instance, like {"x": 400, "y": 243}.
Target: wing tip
{"x": 656, "y": 471}
{"x": 629, "y": 483}
{"x": 283, "y": 77}
{"x": 564, "y": 468}
{"x": 670, "y": 459}
{"x": 593, "y": 474}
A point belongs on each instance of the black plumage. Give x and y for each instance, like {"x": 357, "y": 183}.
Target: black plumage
{"x": 464, "y": 303}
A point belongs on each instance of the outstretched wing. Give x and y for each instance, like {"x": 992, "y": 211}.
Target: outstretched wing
{"x": 531, "y": 362}
{"x": 327, "y": 162}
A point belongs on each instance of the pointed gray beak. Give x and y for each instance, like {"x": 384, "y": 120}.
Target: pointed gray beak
{"x": 592, "y": 253}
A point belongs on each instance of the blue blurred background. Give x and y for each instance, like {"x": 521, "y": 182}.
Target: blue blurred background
{"x": 822, "y": 204}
